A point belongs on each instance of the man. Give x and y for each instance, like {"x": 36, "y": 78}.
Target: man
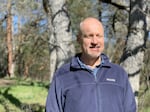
{"x": 89, "y": 82}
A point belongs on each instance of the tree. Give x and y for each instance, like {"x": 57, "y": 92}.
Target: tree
{"x": 114, "y": 16}
{"x": 10, "y": 40}
{"x": 133, "y": 56}
{"x": 122, "y": 28}
{"x": 31, "y": 40}
{"x": 3, "y": 56}
{"x": 80, "y": 9}
{"x": 60, "y": 34}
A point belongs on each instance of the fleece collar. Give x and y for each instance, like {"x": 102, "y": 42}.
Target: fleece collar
{"x": 76, "y": 65}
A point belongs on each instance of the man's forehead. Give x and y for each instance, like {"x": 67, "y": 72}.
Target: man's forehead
{"x": 90, "y": 20}
{"x": 90, "y": 23}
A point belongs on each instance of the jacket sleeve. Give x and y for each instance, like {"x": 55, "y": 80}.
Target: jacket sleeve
{"x": 54, "y": 98}
{"x": 129, "y": 98}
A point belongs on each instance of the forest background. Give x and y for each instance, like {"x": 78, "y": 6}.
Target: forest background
{"x": 38, "y": 36}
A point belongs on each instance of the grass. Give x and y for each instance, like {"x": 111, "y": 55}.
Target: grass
{"x": 23, "y": 96}
{"x": 144, "y": 102}
{"x": 30, "y": 96}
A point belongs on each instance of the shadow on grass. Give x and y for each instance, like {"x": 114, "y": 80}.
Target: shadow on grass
{"x": 34, "y": 83}
{"x": 11, "y": 98}
{"x": 22, "y": 106}
{"x": 33, "y": 107}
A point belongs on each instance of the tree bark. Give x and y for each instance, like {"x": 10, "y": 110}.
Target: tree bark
{"x": 133, "y": 56}
{"x": 60, "y": 39}
{"x": 9, "y": 41}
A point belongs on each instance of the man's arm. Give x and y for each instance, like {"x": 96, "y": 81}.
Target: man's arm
{"x": 54, "y": 98}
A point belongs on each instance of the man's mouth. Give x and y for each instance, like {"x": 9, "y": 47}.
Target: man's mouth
{"x": 94, "y": 46}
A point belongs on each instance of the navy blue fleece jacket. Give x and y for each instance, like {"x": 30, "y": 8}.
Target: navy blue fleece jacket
{"x": 75, "y": 89}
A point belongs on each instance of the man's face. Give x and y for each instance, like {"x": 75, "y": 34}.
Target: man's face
{"x": 91, "y": 39}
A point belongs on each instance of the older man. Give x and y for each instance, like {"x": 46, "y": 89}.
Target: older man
{"x": 89, "y": 82}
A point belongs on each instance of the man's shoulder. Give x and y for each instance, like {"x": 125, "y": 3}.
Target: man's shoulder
{"x": 67, "y": 68}
{"x": 63, "y": 69}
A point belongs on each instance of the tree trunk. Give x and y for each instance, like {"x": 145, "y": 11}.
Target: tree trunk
{"x": 9, "y": 41}
{"x": 133, "y": 56}
{"x": 60, "y": 39}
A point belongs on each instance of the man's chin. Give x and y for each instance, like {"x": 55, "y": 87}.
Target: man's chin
{"x": 92, "y": 56}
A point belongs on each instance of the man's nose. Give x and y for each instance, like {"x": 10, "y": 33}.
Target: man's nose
{"x": 94, "y": 40}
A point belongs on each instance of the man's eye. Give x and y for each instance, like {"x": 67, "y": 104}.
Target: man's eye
{"x": 85, "y": 36}
{"x": 91, "y": 35}
{"x": 100, "y": 36}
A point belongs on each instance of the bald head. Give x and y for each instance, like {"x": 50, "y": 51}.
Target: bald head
{"x": 90, "y": 22}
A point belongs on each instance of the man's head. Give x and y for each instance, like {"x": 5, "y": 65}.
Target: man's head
{"x": 91, "y": 37}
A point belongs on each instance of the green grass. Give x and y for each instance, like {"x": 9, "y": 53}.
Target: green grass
{"x": 23, "y": 96}
{"x": 27, "y": 95}
{"x": 144, "y": 102}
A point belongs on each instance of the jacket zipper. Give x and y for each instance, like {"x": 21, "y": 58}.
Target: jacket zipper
{"x": 98, "y": 94}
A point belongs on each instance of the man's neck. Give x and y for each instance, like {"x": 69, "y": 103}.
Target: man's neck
{"x": 91, "y": 62}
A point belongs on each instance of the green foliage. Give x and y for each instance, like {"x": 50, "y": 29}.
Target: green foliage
{"x": 33, "y": 55}
{"x": 30, "y": 39}
{"x": 144, "y": 105}
{"x": 144, "y": 92}
{"x": 80, "y": 9}
{"x": 26, "y": 8}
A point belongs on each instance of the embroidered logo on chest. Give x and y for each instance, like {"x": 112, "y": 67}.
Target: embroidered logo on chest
{"x": 111, "y": 79}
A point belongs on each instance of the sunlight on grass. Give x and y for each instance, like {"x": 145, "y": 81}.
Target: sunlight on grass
{"x": 29, "y": 94}
{"x": 144, "y": 102}
{"x": 22, "y": 96}
{"x": 2, "y": 108}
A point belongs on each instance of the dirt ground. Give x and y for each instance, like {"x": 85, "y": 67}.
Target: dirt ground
{"x": 6, "y": 82}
